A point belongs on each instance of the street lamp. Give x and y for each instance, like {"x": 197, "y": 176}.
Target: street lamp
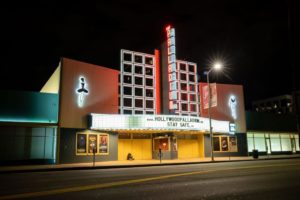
{"x": 216, "y": 66}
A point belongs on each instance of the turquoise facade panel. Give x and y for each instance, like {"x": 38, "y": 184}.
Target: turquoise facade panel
{"x": 32, "y": 107}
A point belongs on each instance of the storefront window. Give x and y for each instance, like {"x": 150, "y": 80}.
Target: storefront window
{"x": 275, "y": 142}
{"x": 250, "y": 142}
{"x": 286, "y": 144}
{"x": 297, "y": 142}
{"x": 260, "y": 144}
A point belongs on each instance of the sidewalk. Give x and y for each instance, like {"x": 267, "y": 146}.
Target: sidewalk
{"x": 134, "y": 163}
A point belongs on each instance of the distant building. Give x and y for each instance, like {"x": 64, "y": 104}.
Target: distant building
{"x": 279, "y": 105}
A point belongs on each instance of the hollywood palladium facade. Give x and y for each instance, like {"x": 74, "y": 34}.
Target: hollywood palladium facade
{"x": 152, "y": 103}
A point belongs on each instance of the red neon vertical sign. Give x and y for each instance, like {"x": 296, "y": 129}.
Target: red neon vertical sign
{"x": 171, "y": 50}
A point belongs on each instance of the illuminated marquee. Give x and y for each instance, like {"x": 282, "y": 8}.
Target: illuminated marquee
{"x": 155, "y": 122}
{"x": 173, "y": 88}
{"x": 81, "y": 91}
{"x": 232, "y": 103}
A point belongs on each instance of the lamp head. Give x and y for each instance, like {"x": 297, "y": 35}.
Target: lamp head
{"x": 217, "y": 66}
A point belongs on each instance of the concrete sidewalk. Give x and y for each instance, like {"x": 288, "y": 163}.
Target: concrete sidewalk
{"x": 134, "y": 163}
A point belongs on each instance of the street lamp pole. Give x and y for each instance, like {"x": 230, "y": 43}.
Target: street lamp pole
{"x": 216, "y": 66}
{"x": 209, "y": 116}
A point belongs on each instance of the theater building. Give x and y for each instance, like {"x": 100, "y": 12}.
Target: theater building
{"x": 154, "y": 102}
{"x": 122, "y": 112}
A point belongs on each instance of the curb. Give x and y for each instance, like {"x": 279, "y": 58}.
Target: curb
{"x": 132, "y": 166}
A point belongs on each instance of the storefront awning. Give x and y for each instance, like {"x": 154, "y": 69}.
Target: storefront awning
{"x": 155, "y": 122}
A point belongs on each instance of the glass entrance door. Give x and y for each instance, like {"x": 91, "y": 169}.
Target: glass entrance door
{"x": 268, "y": 145}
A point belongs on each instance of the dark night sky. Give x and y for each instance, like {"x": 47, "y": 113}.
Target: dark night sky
{"x": 250, "y": 36}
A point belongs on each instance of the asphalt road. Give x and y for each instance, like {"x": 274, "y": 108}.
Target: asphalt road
{"x": 272, "y": 179}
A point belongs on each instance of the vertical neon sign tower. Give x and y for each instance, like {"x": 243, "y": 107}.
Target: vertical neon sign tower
{"x": 173, "y": 87}
{"x": 179, "y": 78}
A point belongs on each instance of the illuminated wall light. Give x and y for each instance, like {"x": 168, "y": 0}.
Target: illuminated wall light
{"x": 81, "y": 91}
{"x": 232, "y": 103}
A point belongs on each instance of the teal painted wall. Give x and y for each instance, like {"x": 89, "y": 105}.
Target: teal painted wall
{"x": 270, "y": 122}
{"x": 25, "y": 106}
{"x": 27, "y": 145}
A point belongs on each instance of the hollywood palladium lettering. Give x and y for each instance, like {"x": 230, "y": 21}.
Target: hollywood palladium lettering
{"x": 173, "y": 90}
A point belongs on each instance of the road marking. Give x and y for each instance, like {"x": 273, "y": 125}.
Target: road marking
{"x": 127, "y": 182}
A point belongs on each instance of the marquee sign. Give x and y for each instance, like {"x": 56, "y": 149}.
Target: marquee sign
{"x": 155, "y": 122}
{"x": 173, "y": 87}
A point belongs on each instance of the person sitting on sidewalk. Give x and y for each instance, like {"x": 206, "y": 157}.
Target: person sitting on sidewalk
{"x": 130, "y": 157}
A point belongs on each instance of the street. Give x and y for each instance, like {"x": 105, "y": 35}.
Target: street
{"x": 258, "y": 179}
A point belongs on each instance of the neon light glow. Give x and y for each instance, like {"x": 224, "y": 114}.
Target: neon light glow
{"x": 24, "y": 120}
{"x": 232, "y": 103}
{"x": 172, "y": 67}
{"x": 81, "y": 91}
{"x": 156, "y": 122}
